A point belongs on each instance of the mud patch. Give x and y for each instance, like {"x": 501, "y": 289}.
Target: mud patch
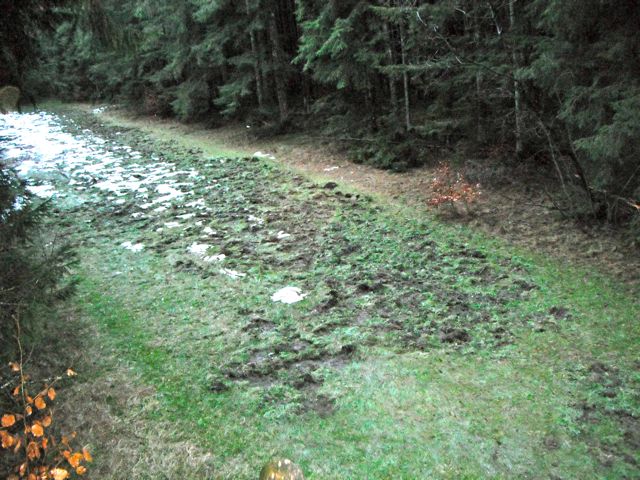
{"x": 613, "y": 392}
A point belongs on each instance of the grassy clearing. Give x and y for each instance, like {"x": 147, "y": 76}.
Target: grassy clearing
{"x": 421, "y": 351}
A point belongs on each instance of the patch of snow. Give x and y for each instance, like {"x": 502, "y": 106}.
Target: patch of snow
{"x": 198, "y": 248}
{"x": 215, "y": 258}
{"x": 42, "y": 191}
{"x": 25, "y": 167}
{"x": 137, "y": 247}
{"x": 255, "y": 220}
{"x": 197, "y": 204}
{"x": 169, "y": 193}
{"x": 264, "y": 155}
{"x": 232, "y": 273}
{"x": 282, "y": 235}
{"x": 19, "y": 203}
{"x": 288, "y": 295}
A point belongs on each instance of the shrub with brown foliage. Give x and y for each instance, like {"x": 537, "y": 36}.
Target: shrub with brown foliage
{"x": 27, "y": 434}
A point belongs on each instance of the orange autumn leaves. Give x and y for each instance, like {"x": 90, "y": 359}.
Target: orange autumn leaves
{"x": 8, "y": 420}
{"x": 449, "y": 187}
{"x": 26, "y": 434}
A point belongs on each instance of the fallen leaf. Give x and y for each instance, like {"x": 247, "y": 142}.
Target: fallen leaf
{"x": 7, "y": 440}
{"x": 59, "y": 474}
{"x": 33, "y": 451}
{"x": 8, "y": 420}
{"x": 37, "y": 430}
{"x": 75, "y": 459}
{"x": 87, "y": 456}
{"x": 40, "y": 403}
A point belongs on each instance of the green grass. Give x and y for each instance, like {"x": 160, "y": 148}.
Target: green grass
{"x": 422, "y": 350}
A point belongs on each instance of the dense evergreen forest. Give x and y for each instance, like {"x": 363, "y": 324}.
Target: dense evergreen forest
{"x": 550, "y": 82}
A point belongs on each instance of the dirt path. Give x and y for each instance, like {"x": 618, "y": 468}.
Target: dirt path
{"x": 522, "y": 215}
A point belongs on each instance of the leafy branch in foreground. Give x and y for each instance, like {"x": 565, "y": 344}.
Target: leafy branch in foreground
{"x": 26, "y": 433}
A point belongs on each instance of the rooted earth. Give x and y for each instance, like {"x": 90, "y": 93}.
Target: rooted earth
{"x": 233, "y": 310}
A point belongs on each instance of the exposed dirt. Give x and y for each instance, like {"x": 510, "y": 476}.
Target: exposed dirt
{"x": 372, "y": 280}
{"x": 607, "y": 405}
{"x": 391, "y": 284}
{"x": 519, "y": 213}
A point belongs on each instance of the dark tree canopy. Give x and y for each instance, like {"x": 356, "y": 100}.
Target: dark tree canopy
{"x": 553, "y": 82}
{"x": 22, "y": 22}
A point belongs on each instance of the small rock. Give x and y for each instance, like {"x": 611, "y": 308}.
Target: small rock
{"x": 330, "y": 185}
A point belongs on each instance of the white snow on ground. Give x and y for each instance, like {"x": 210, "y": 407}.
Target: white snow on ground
{"x": 198, "y": 249}
{"x": 288, "y": 295}
{"x": 42, "y": 191}
{"x": 264, "y": 155}
{"x": 134, "y": 247}
{"x": 37, "y": 143}
{"x": 104, "y": 171}
{"x": 232, "y": 273}
{"x": 255, "y": 220}
{"x": 199, "y": 204}
{"x": 215, "y": 258}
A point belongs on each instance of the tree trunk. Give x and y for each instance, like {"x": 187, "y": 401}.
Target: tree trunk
{"x": 276, "y": 53}
{"x": 405, "y": 79}
{"x": 478, "y": 102}
{"x": 516, "y": 84}
{"x": 256, "y": 59}
{"x": 393, "y": 91}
